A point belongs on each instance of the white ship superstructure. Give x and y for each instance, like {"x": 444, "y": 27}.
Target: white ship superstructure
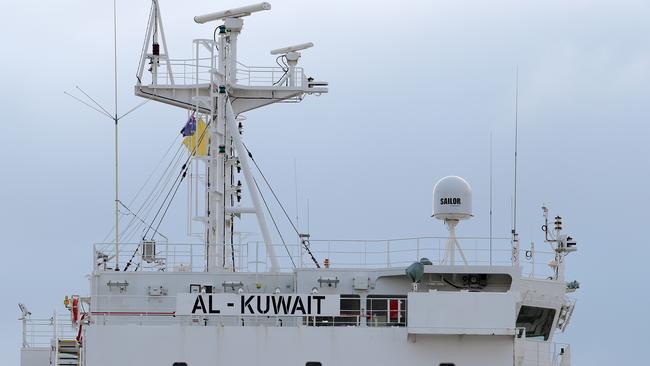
{"x": 226, "y": 300}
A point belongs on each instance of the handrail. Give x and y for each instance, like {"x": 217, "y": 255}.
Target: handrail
{"x": 376, "y": 254}
{"x": 40, "y": 332}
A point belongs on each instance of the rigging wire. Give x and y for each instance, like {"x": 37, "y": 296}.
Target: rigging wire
{"x": 163, "y": 187}
{"x": 143, "y": 210}
{"x": 169, "y": 203}
{"x": 274, "y": 223}
{"x": 182, "y": 175}
{"x": 156, "y": 168}
{"x": 178, "y": 180}
{"x": 186, "y": 167}
{"x": 165, "y": 178}
{"x": 250, "y": 155}
{"x": 144, "y": 184}
{"x": 148, "y": 211}
{"x": 139, "y": 218}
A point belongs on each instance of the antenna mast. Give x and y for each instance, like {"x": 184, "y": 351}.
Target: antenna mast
{"x": 490, "y": 197}
{"x": 515, "y": 236}
{"x": 116, "y": 119}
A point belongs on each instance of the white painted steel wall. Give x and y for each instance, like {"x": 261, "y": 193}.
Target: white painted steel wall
{"x": 280, "y": 346}
{"x": 36, "y": 356}
{"x": 440, "y": 312}
{"x": 536, "y": 353}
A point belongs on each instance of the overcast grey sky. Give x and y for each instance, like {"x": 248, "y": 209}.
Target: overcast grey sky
{"x": 416, "y": 89}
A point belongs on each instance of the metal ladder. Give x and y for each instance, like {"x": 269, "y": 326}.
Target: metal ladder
{"x": 67, "y": 352}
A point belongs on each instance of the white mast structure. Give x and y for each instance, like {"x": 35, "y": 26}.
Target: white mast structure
{"x": 214, "y": 90}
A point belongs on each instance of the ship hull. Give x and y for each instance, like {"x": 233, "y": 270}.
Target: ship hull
{"x": 341, "y": 346}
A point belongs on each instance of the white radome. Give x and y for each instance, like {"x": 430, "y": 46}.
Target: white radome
{"x": 452, "y": 199}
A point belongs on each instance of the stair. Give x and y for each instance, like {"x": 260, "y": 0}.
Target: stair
{"x": 67, "y": 352}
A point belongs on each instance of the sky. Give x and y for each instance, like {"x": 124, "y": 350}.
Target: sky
{"x": 416, "y": 91}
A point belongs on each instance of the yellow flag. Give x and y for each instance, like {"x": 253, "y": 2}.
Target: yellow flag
{"x": 200, "y": 137}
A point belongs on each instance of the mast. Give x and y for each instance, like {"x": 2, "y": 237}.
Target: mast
{"x": 515, "y": 236}
{"x": 221, "y": 101}
{"x": 117, "y": 181}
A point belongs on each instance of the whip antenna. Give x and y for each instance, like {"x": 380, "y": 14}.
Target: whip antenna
{"x": 115, "y": 117}
{"x": 515, "y": 238}
{"x": 490, "y": 197}
{"x": 514, "y": 218}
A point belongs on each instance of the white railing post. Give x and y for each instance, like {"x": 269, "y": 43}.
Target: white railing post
{"x": 25, "y": 345}
{"x": 196, "y": 72}
{"x": 54, "y": 328}
{"x": 387, "y": 253}
{"x": 257, "y": 256}
{"x": 365, "y": 254}
{"x": 191, "y": 257}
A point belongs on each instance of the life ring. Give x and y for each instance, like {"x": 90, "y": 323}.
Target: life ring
{"x": 75, "y": 309}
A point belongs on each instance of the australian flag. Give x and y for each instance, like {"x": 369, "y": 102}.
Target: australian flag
{"x": 190, "y": 126}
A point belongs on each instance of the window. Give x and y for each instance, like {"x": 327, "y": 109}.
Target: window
{"x": 537, "y": 321}
{"x": 386, "y": 310}
{"x": 313, "y": 363}
{"x": 350, "y": 314}
{"x": 350, "y": 311}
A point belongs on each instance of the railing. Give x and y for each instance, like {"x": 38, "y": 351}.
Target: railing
{"x": 190, "y": 72}
{"x": 252, "y": 256}
{"x": 42, "y": 332}
{"x": 269, "y": 76}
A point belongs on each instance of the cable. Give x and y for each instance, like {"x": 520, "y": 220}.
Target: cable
{"x": 148, "y": 202}
{"x": 274, "y": 223}
{"x": 214, "y": 38}
{"x": 182, "y": 175}
{"x": 232, "y": 246}
{"x": 174, "y": 157}
{"x": 169, "y": 203}
{"x": 142, "y": 187}
{"x": 284, "y": 67}
{"x": 449, "y": 283}
{"x": 128, "y": 264}
{"x": 148, "y": 205}
{"x": 141, "y": 220}
{"x": 250, "y": 155}
{"x": 178, "y": 180}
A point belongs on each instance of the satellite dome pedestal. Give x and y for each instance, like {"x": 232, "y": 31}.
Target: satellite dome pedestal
{"x": 452, "y": 244}
{"x": 452, "y": 202}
